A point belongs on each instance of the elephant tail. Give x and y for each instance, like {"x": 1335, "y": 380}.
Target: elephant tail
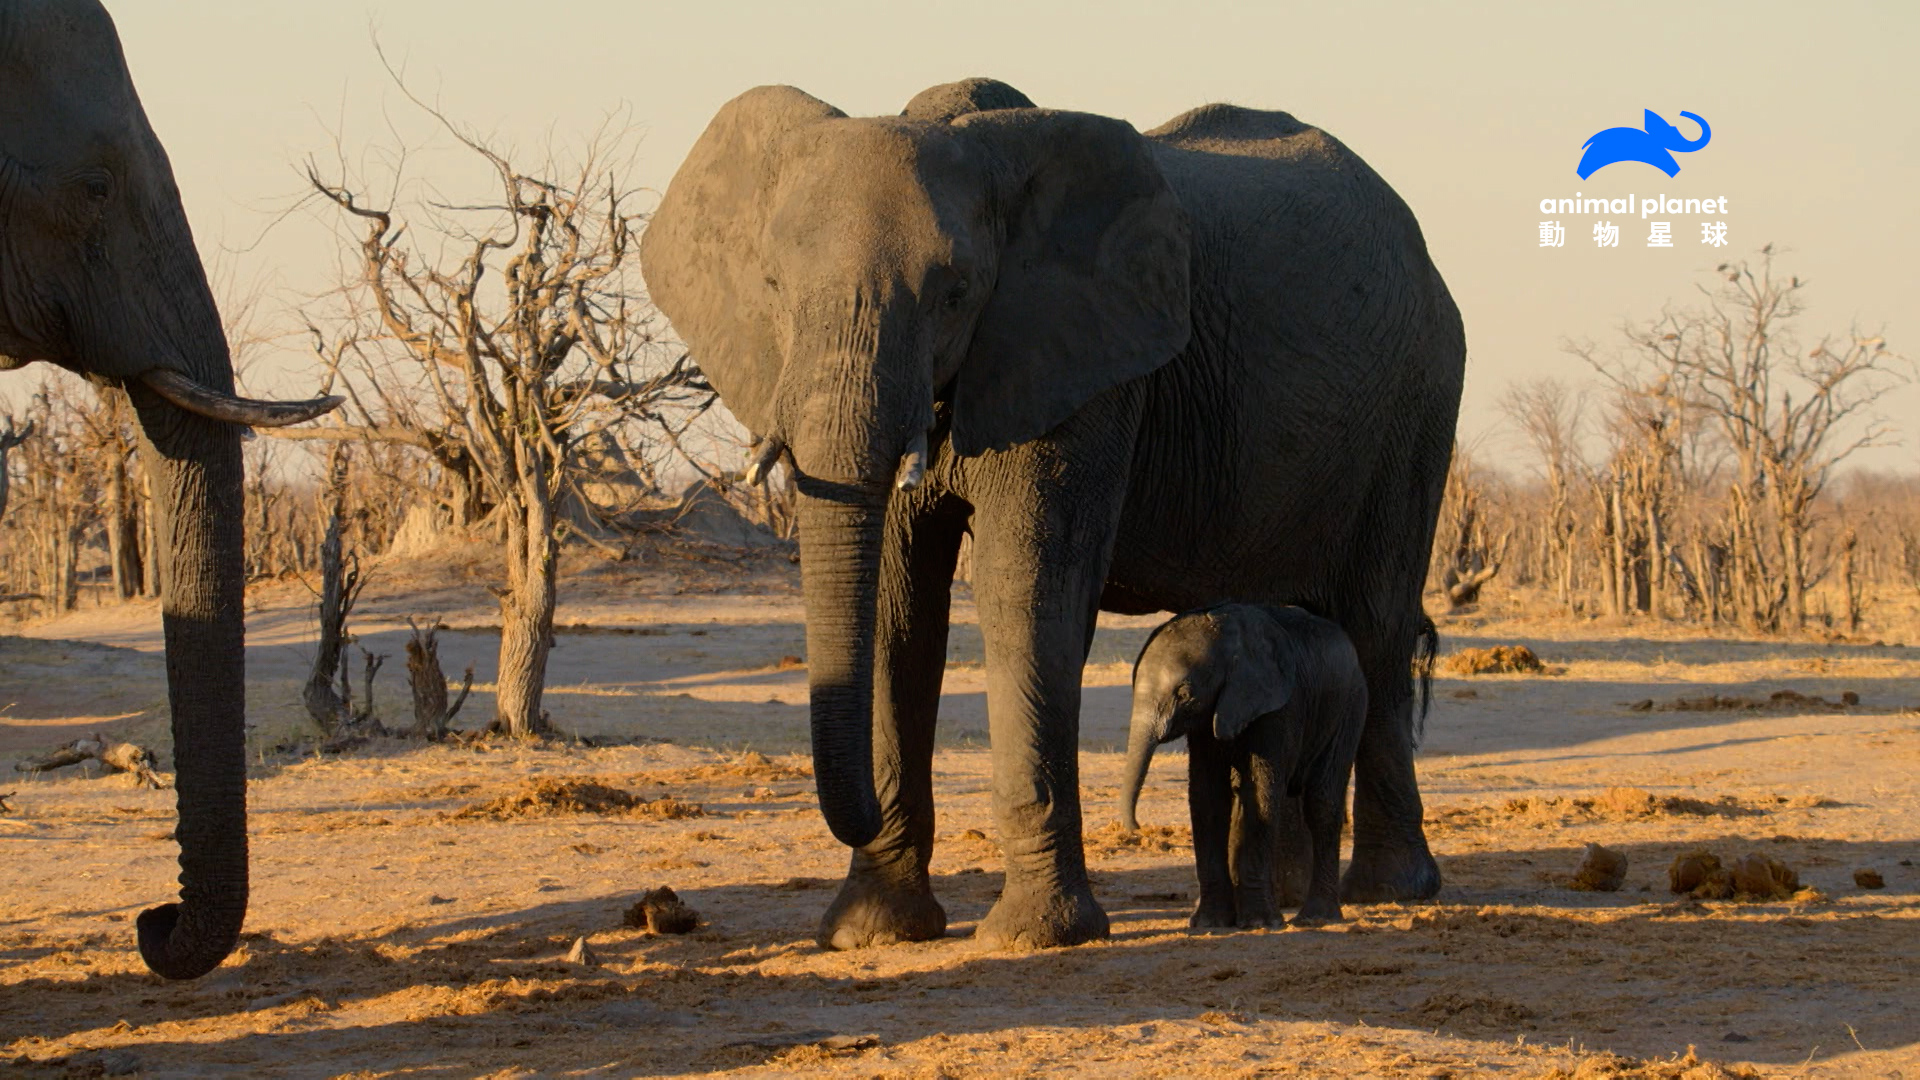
{"x": 1426, "y": 648}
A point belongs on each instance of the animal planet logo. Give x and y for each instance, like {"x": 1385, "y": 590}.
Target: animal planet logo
{"x": 1655, "y": 145}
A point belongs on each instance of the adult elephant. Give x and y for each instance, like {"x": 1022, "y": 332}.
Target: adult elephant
{"x": 99, "y": 275}
{"x": 1146, "y": 372}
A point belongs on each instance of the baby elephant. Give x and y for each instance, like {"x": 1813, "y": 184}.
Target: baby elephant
{"x": 1275, "y": 695}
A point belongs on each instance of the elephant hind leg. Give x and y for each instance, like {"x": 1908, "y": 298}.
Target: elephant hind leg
{"x": 887, "y": 896}
{"x": 1391, "y": 861}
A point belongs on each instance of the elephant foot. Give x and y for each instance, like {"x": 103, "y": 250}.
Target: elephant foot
{"x": 1318, "y": 913}
{"x": 873, "y": 911}
{"x": 1258, "y": 913}
{"x": 1213, "y": 915}
{"x": 1387, "y": 875}
{"x": 1022, "y": 920}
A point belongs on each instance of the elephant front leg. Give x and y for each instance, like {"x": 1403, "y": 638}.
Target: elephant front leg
{"x": 1216, "y": 826}
{"x": 1262, "y": 793}
{"x": 1390, "y": 857}
{"x": 1037, "y": 599}
{"x": 887, "y": 896}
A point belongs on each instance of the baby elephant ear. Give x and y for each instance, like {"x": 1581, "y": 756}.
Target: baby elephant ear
{"x": 1092, "y": 288}
{"x": 1259, "y": 682}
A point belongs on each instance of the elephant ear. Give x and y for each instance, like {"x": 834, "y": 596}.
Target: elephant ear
{"x": 703, "y": 252}
{"x": 1093, "y": 274}
{"x": 1260, "y": 680}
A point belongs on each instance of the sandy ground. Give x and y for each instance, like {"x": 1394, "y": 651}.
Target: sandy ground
{"x": 389, "y": 936}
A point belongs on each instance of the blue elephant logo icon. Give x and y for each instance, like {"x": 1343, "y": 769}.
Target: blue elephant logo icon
{"x": 1655, "y": 145}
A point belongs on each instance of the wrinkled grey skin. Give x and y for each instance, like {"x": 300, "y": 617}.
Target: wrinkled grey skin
{"x": 98, "y": 274}
{"x": 1151, "y": 372}
{"x": 1274, "y": 696}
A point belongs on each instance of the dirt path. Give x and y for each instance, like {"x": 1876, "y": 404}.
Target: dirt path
{"x": 389, "y": 936}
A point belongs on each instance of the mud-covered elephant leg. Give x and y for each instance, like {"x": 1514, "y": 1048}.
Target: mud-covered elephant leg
{"x": 1216, "y": 827}
{"x": 1390, "y": 856}
{"x": 1045, "y": 518}
{"x": 887, "y": 896}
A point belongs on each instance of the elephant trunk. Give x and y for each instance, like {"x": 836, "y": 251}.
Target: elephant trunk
{"x": 840, "y": 534}
{"x": 1143, "y": 735}
{"x": 197, "y": 478}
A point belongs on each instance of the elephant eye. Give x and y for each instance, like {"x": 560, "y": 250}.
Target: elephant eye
{"x": 98, "y": 186}
{"x": 957, "y": 294}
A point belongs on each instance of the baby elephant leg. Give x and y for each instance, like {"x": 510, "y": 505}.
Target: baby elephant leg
{"x": 1325, "y": 808}
{"x": 1210, "y": 801}
{"x": 1261, "y": 798}
{"x": 1292, "y": 853}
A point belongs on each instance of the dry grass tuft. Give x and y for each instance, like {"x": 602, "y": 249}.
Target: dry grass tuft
{"x": 1498, "y": 660}
{"x": 1781, "y": 701}
{"x": 551, "y": 797}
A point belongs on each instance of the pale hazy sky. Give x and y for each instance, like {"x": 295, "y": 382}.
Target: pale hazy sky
{"x": 1474, "y": 112}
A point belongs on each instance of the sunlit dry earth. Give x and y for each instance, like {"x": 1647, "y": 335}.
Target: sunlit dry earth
{"x": 391, "y": 934}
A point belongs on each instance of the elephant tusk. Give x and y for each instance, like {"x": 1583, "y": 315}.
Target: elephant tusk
{"x": 215, "y": 405}
{"x": 764, "y": 460}
{"x": 913, "y": 464}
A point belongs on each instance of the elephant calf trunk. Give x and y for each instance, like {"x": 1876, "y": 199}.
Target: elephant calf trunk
{"x": 1141, "y": 740}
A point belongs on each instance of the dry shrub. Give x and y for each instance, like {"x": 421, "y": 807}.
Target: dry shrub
{"x": 578, "y": 795}
{"x": 1498, "y": 660}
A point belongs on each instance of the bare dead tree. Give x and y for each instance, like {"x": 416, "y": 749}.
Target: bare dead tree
{"x": 1789, "y": 418}
{"x": 10, "y": 436}
{"x": 521, "y": 321}
{"x": 1470, "y": 559}
{"x": 109, "y": 440}
{"x": 1548, "y": 416}
{"x": 432, "y": 713}
{"x": 333, "y": 710}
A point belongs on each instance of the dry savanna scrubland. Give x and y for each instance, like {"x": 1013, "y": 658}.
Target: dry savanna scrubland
{"x": 417, "y": 910}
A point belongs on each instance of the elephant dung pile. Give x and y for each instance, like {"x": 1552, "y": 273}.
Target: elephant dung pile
{"x": 553, "y": 796}
{"x": 661, "y": 911}
{"x": 1787, "y": 701}
{"x": 1602, "y": 869}
{"x": 1755, "y": 877}
{"x": 1497, "y": 660}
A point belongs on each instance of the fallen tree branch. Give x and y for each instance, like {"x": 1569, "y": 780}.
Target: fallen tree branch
{"x": 121, "y": 757}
